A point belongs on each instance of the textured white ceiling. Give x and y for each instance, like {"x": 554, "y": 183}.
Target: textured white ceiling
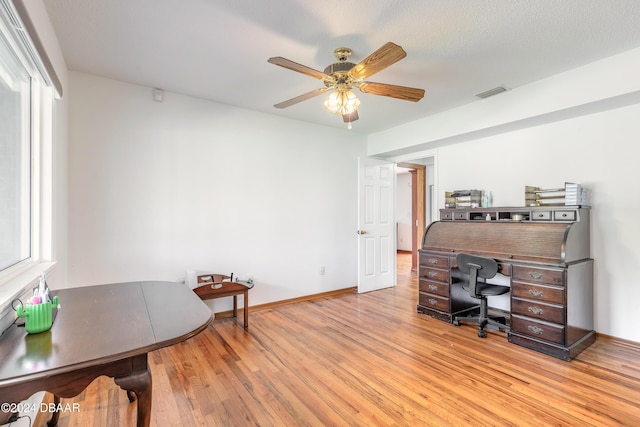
{"x": 218, "y": 49}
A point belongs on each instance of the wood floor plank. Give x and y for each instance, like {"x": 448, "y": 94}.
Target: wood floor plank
{"x": 370, "y": 359}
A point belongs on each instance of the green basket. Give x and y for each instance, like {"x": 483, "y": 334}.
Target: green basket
{"x": 38, "y": 317}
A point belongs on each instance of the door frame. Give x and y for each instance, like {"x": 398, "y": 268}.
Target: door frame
{"x": 418, "y": 208}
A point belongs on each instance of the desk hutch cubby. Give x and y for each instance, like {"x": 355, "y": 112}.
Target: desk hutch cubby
{"x": 545, "y": 253}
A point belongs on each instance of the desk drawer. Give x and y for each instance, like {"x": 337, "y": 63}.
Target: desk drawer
{"x": 460, "y": 215}
{"x": 538, "y": 275}
{"x": 434, "y": 274}
{"x": 538, "y": 310}
{"x": 552, "y": 294}
{"x": 564, "y": 215}
{"x": 441, "y": 289}
{"x": 541, "y": 216}
{"x": 437, "y": 261}
{"x": 538, "y": 330}
{"x": 433, "y": 301}
{"x": 446, "y": 215}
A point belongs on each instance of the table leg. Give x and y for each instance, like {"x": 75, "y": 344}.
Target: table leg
{"x": 235, "y": 306}
{"x": 246, "y": 309}
{"x": 138, "y": 385}
{"x": 56, "y": 414}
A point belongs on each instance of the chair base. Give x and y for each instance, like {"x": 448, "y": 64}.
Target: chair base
{"x": 498, "y": 322}
{"x": 483, "y": 320}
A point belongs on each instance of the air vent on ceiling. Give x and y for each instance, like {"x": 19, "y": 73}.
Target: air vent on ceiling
{"x": 491, "y": 92}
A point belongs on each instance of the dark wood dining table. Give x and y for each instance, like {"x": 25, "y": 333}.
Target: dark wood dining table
{"x": 100, "y": 330}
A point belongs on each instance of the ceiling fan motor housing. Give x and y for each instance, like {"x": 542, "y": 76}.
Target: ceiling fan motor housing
{"x": 339, "y": 67}
{"x": 339, "y": 71}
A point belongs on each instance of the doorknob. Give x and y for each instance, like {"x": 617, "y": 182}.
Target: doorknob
{"x": 362, "y": 232}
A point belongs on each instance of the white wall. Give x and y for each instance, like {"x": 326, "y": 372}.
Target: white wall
{"x": 156, "y": 189}
{"x": 595, "y": 144}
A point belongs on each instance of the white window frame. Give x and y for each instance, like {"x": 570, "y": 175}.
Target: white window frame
{"x": 15, "y": 279}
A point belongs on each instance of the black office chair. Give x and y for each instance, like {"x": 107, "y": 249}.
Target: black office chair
{"x": 480, "y": 268}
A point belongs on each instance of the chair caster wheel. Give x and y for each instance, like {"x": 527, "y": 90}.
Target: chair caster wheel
{"x": 456, "y": 322}
{"x": 481, "y": 334}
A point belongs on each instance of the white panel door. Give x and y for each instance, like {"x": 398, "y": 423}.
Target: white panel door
{"x": 376, "y": 225}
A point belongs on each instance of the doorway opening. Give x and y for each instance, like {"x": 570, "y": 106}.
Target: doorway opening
{"x": 411, "y": 209}
{"x": 405, "y": 278}
{"x": 415, "y": 209}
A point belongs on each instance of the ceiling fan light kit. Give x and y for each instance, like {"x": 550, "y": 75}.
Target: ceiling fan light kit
{"x": 342, "y": 101}
{"x": 341, "y": 77}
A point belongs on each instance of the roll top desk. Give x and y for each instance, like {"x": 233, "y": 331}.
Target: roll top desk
{"x": 545, "y": 255}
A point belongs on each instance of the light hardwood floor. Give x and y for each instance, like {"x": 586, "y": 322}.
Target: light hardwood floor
{"x": 370, "y": 360}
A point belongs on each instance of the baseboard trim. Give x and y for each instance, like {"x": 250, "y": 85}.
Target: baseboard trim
{"x": 616, "y": 339}
{"x": 229, "y": 313}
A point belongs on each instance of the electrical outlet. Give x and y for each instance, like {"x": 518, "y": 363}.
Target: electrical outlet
{"x": 322, "y": 270}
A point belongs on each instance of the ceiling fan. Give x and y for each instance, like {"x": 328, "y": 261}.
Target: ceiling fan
{"x": 341, "y": 77}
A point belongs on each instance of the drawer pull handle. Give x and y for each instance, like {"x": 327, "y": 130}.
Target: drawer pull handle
{"x": 535, "y": 275}
{"x": 433, "y": 261}
{"x": 433, "y": 301}
{"x": 535, "y": 310}
{"x": 535, "y": 329}
{"x": 433, "y": 287}
{"x": 535, "y": 293}
{"x": 432, "y": 274}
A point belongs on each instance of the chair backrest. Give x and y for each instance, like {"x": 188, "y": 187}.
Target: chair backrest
{"x": 476, "y": 266}
{"x": 486, "y": 267}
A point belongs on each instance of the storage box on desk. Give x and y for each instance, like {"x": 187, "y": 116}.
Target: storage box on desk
{"x": 576, "y": 195}
{"x": 462, "y": 198}
{"x": 535, "y": 196}
{"x": 530, "y": 196}
{"x": 449, "y": 200}
{"x": 571, "y": 195}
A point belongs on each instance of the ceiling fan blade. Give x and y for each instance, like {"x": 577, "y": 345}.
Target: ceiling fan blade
{"x": 388, "y": 54}
{"x": 393, "y": 91}
{"x": 303, "y": 97}
{"x": 283, "y": 62}
{"x": 351, "y": 117}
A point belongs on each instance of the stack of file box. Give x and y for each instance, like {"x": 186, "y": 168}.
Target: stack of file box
{"x": 571, "y": 195}
{"x": 463, "y": 199}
